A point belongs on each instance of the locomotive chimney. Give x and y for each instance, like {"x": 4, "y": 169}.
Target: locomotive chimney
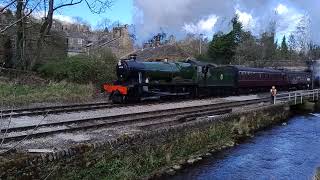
{"x": 133, "y": 57}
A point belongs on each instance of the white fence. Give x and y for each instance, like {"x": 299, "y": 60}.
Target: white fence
{"x": 297, "y": 97}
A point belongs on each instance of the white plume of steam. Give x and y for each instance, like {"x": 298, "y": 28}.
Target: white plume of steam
{"x": 174, "y": 16}
{"x": 179, "y": 17}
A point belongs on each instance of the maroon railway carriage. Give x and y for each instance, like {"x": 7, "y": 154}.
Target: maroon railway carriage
{"x": 243, "y": 79}
{"x": 255, "y": 78}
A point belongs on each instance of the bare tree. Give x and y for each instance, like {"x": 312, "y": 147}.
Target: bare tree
{"x": 292, "y": 43}
{"x": 25, "y": 8}
{"x": 303, "y": 36}
{"x": 6, "y": 6}
{"x": 104, "y": 25}
{"x": 95, "y": 6}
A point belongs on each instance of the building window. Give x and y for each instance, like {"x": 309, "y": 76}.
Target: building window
{"x": 80, "y": 41}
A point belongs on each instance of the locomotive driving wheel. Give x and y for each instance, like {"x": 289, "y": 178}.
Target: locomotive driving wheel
{"x": 118, "y": 98}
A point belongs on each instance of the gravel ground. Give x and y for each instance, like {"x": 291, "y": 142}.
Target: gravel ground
{"x": 34, "y": 120}
{"x": 62, "y": 140}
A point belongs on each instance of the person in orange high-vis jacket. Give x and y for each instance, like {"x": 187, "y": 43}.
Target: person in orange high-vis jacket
{"x": 273, "y": 92}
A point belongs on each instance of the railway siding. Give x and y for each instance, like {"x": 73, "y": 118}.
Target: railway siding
{"x": 143, "y": 153}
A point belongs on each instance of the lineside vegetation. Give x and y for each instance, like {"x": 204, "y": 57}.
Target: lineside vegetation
{"x": 19, "y": 94}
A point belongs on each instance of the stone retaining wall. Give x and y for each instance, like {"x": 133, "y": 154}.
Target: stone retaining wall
{"x": 141, "y": 154}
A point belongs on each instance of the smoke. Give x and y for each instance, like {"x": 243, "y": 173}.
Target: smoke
{"x": 180, "y": 17}
{"x": 175, "y": 17}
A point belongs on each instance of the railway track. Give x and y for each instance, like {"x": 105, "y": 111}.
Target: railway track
{"x": 54, "y": 109}
{"x": 11, "y": 113}
{"x": 147, "y": 120}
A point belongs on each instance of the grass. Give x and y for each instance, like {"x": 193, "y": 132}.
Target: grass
{"x": 141, "y": 161}
{"x": 18, "y": 94}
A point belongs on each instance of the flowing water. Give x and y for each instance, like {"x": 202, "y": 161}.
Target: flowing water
{"x": 283, "y": 152}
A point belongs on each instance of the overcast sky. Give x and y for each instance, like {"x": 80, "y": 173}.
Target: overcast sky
{"x": 180, "y": 17}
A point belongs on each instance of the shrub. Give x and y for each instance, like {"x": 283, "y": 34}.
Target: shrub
{"x": 97, "y": 68}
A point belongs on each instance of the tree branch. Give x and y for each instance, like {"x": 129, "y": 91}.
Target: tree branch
{"x": 5, "y": 7}
{"x": 17, "y": 21}
{"x": 103, "y": 5}
{"x": 68, "y": 4}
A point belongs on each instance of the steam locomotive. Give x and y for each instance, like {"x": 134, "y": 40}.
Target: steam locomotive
{"x": 139, "y": 80}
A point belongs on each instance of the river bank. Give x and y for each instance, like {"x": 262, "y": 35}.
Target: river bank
{"x": 287, "y": 151}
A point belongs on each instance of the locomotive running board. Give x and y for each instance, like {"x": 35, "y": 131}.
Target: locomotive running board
{"x": 150, "y": 98}
{"x": 168, "y": 93}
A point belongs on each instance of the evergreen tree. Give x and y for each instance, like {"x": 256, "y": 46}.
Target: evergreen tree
{"x": 284, "y": 48}
{"x": 222, "y": 48}
{"x": 236, "y": 30}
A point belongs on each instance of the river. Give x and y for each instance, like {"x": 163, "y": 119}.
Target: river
{"x": 291, "y": 151}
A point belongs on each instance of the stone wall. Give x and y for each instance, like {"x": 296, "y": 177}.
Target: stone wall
{"x": 141, "y": 154}
{"x": 120, "y": 44}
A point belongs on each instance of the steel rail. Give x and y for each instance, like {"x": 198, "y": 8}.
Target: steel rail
{"x": 71, "y": 108}
{"x": 53, "y": 109}
{"x": 128, "y": 119}
{"x": 6, "y": 113}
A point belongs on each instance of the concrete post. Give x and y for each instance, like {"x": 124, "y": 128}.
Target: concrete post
{"x": 313, "y": 95}
{"x": 289, "y": 97}
{"x": 312, "y": 75}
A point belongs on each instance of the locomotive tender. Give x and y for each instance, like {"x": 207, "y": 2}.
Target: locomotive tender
{"x": 139, "y": 80}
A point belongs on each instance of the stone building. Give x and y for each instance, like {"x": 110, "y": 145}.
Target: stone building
{"x": 118, "y": 41}
{"x": 77, "y": 36}
{"x": 81, "y": 40}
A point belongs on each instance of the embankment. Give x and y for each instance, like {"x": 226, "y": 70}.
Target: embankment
{"x": 143, "y": 154}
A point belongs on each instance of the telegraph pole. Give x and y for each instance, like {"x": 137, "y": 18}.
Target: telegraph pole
{"x": 200, "y": 43}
